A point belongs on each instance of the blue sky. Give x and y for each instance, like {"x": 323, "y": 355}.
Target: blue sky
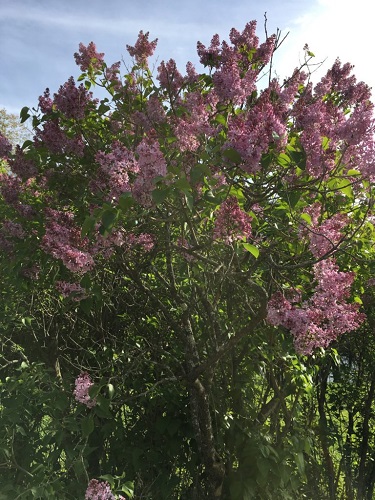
{"x": 39, "y": 37}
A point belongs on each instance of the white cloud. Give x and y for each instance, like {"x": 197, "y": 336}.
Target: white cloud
{"x": 334, "y": 28}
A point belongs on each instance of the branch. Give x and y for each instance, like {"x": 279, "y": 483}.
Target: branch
{"x": 233, "y": 341}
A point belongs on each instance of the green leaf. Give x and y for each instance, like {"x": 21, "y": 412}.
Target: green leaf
{"x": 189, "y": 200}
{"x": 87, "y": 425}
{"x": 128, "y": 488}
{"x": 283, "y": 160}
{"x": 232, "y": 155}
{"x": 299, "y": 158}
{"x": 353, "y": 172}
{"x": 88, "y": 225}
{"x": 27, "y": 144}
{"x": 183, "y": 184}
{"x": 325, "y": 143}
{"x": 342, "y": 185}
{"x": 110, "y": 480}
{"x": 111, "y": 391}
{"x": 94, "y": 391}
{"x": 26, "y": 321}
{"x": 220, "y": 119}
{"x": 347, "y": 190}
{"x": 306, "y": 218}
{"x": 300, "y": 461}
{"x": 108, "y": 219}
{"x": 266, "y": 160}
{"x": 252, "y": 249}
{"x": 293, "y": 197}
{"x": 24, "y": 114}
{"x": 103, "y": 108}
{"x": 159, "y": 195}
{"x": 198, "y": 172}
{"x": 125, "y": 201}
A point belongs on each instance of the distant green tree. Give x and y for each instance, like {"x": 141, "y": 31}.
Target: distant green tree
{"x": 12, "y": 128}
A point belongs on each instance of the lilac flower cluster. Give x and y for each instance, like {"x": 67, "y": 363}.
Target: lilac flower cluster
{"x": 346, "y": 124}
{"x": 5, "y": 147}
{"x": 231, "y": 223}
{"x": 8, "y": 231}
{"x": 195, "y": 122}
{"x": 100, "y": 490}
{"x": 45, "y": 102}
{"x": 170, "y": 78}
{"x": 252, "y": 132}
{"x": 71, "y": 100}
{"x": 12, "y": 190}
{"x": 88, "y": 56}
{"x": 13, "y": 229}
{"x": 105, "y": 245}
{"x": 113, "y": 174}
{"x": 62, "y": 240}
{"x": 325, "y": 236}
{"x": 236, "y": 72}
{"x": 152, "y": 164}
{"x": 81, "y": 392}
{"x": 153, "y": 114}
{"x": 73, "y": 290}
{"x": 143, "y": 49}
{"x": 55, "y": 138}
{"x": 22, "y": 166}
{"x": 143, "y": 240}
{"x": 319, "y": 320}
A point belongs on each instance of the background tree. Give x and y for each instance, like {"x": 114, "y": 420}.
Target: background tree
{"x": 12, "y": 128}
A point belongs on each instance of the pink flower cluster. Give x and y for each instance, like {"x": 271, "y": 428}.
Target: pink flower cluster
{"x": 143, "y": 240}
{"x": 73, "y": 290}
{"x": 62, "y": 240}
{"x": 170, "y": 78}
{"x": 336, "y": 115}
{"x": 143, "y": 49}
{"x": 325, "y": 236}
{"x": 152, "y": 164}
{"x": 88, "y": 56}
{"x": 8, "y": 231}
{"x": 99, "y": 490}
{"x": 12, "y": 190}
{"x": 184, "y": 245}
{"x": 105, "y": 245}
{"x": 112, "y": 74}
{"x": 72, "y": 101}
{"x": 153, "y": 114}
{"x": 324, "y": 316}
{"x": 252, "y": 132}
{"x": 339, "y": 80}
{"x": 5, "y": 147}
{"x": 194, "y": 124}
{"x": 81, "y": 392}
{"x": 113, "y": 174}
{"x": 237, "y": 66}
{"x": 45, "y": 102}
{"x": 56, "y": 140}
{"x": 22, "y": 166}
{"x": 231, "y": 223}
